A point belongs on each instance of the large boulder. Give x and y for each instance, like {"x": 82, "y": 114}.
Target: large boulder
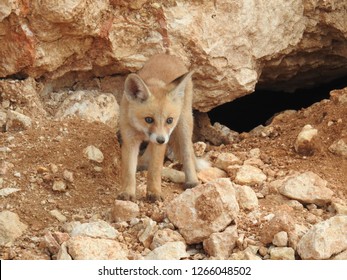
{"x": 204, "y": 210}
{"x": 325, "y": 239}
{"x": 231, "y": 45}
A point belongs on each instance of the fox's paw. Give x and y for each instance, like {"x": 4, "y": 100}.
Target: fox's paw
{"x": 190, "y": 185}
{"x": 126, "y": 196}
{"x": 153, "y": 197}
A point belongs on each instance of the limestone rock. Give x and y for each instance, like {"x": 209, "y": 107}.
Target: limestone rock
{"x": 7, "y": 191}
{"x": 165, "y": 235}
{"x": 68, "y": 176}
{"x": 59, "y": 186}
{"x": 211, "y": 174}
{"x": 199, "y": 148}
{"x": 282, "y": 253}
{"x": 203, "y": 210}
{"x": 63, "y": 253}
{"x": 10, "y": 227}
{"x": 221, "y": 244}
{"x": 87, "y": 248}
{"x": 147, "y": 233}
{"x": 324, "y": 239}
{"x": 246, "y": 197}
{"x": 339, "y": 148}
{"x": 224, "y": 160}
{"x": 58, "y": 215}
{"x": 98, "y": 229}
{"x": 307, "y": 187}
{"x": 247, "y": 254}
{"x": 341, "y": 256}
{"x": 17, "y": 121}
{"x": 22, "y": 96}
{"x": 124, "y": 211}
{"x": 216, "y": 134}
{"x": 94, "y": 154}
{"x": 282, "y": 221}
{"x": 233, "y": 45}
{"x": 51, "y": 243}
{"x": 280, "y": 239}
{"x": 339, "y": 208}
{"x": 295, "y": 235}
{"x": 305, "y": 142}
{"x": 339, "y": 96}
{"x": 169, "y": 251}
{"x": 249, "y": 175}
{"x": 90, "y": 106}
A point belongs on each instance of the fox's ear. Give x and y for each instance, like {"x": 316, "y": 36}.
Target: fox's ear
{"x": 179, "y": 85}
{"x": 135, "y": 88}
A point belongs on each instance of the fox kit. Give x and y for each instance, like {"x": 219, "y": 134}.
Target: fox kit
{"x": 156, "y": 108}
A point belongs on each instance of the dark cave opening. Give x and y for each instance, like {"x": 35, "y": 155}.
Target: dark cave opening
{"x": 246, "y": 113}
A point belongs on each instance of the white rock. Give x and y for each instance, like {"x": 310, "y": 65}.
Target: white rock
{"x": 221, "y": 244}
{"x": 124, "y": 211}
{"x": 68, "y": 176}
{"x": 280, "y": 239}
{"x": 10, "y": 227}
{"x": 51, "y": 243}
{"x": 88, "y": 248}
{"x": 281, "y": 221}
{"x": 211, "y": 174}
{"x": 339, "y": 148}
{"x": 169, "y": 251}
{"x": 165, "y": 235}
{"x": 282, "y": 253}
{"x": 145, "y": 236}
{"x": 254, "y": 162}
{"x": 199, "y": 148}
{"x": 59, "y": 186}
{"x": 7, "y": 191}
{"x": 295, "y": 235}
{"x": 203, "y": 210}
{"x": 98, "y": 229}
{"x": 94, "y": 154}
{"x": 304, "y": 143}
{"x": 246, "y": 197}
{"x": 58, "y": 215}
{"x": 324, "y": 239}
{"x": 63, "y": 254}
{"x": 342, "y": 255}
{"x": 224, "y": 160}
{"x": 339, "y": 208}
{"x": 254, "y": 153}
{"x": 307, "y": 187}
{"x": 17, "y": 121}
{"x": 249, "y": 175}
{"x": 247, "y": 254}
{"x": 91, "y": 106}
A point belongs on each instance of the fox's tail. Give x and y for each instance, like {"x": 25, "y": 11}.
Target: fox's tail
{"x": 201, "y": 164}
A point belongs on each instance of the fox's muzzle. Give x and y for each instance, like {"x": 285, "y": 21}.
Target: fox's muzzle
{"x": 160, "y": 140}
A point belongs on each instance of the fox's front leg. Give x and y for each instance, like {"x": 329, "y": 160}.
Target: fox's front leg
{"x": 154, "y": 171}
{"x": 130, "y": 150}
{"x": 183, "y": 148}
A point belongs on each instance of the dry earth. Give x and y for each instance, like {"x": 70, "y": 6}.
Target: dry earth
{"x": 33, "y": 159}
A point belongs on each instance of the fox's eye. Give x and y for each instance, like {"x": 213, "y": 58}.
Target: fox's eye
{"x": 169, "y": 120}
{"x": 149, "y": 120}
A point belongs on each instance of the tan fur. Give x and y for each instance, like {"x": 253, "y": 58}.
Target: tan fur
{"x": 161, "y": 90}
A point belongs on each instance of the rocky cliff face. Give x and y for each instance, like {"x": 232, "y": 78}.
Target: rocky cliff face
{"x": 233, "y": 45}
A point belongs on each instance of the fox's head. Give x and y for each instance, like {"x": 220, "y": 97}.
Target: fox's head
{"x": 154, "y": 108}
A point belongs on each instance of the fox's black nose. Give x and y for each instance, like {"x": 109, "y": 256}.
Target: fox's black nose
{"x": 160, "y": 140}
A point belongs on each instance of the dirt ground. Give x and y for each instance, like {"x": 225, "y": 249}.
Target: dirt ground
{"x": 38, "y": 156}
